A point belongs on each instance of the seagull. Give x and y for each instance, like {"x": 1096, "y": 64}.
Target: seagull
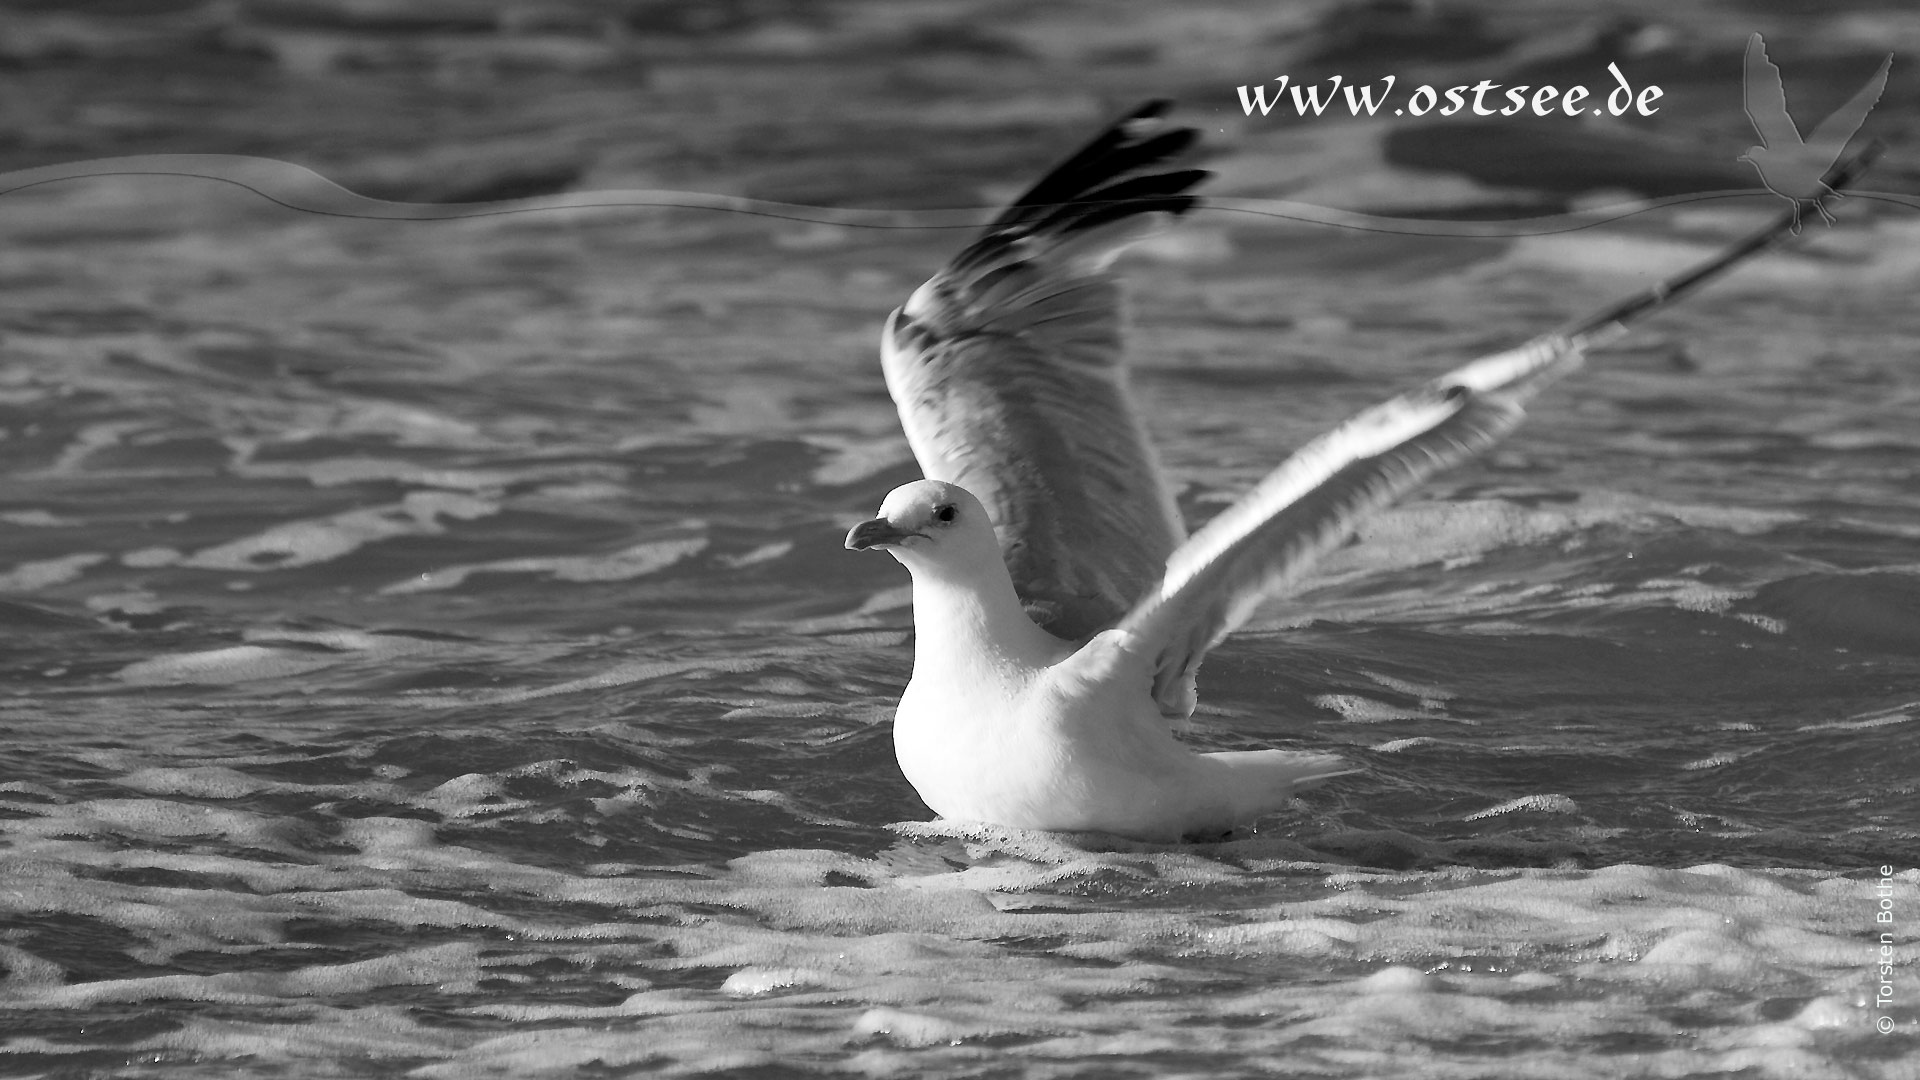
{"x": 1060, "y": 611}
{"x": 1789, "y": 166}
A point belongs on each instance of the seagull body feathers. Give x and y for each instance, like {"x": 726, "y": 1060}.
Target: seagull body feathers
{"x": 1004, "y": 722}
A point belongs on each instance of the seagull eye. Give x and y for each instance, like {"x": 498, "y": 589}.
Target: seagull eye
{"x": 945, "y": 514}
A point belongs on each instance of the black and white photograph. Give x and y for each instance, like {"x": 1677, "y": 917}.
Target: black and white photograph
{"x": 1337, "y": 539}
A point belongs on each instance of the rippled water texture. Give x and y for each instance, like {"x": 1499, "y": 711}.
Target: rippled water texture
{"x": 429, "y": 650}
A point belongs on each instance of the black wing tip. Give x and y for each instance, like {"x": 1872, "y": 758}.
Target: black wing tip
{"x": 1117, "y": 173}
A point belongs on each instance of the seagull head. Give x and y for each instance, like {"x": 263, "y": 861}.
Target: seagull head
{"x": 930, "y": 523}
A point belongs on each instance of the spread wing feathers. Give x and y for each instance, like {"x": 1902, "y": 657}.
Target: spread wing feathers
{"x": 1007, "y": 370}
{"x": 1054, "y": 453}
{"x": 1310, "y": 504}
{"x": 1765, "y": 98}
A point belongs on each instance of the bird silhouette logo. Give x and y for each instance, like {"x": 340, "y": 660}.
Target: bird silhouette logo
{"x": 1791, "y": 167}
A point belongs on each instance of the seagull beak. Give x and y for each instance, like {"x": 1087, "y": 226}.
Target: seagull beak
{"x": 876, "y": 533}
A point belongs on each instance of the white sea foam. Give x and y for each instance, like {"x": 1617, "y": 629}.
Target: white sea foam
{"x": 1364, "y": 710}
{"x": 927, "y": 954}
{"x": 40, "y": 573}
{"x": 633, "y": 561}
{"x": 303, "y": 543}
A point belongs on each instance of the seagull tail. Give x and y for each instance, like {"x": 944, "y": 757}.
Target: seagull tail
{"x": 1264, "y": 780}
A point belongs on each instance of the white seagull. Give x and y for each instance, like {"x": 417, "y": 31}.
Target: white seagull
{"x": 1059, "y": 610}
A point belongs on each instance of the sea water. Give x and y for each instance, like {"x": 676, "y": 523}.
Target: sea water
{"x": 429, "y": 651}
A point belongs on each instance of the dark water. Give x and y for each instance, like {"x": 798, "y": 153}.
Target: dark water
{"x": 429, "y": 648}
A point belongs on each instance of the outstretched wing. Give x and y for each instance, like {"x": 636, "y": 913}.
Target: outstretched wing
{"x": 1764, "y": 97}
{"x": 1835, "y": 130}
{"x": 1007, "y": 370}
{"x": 1312, "y": 502}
